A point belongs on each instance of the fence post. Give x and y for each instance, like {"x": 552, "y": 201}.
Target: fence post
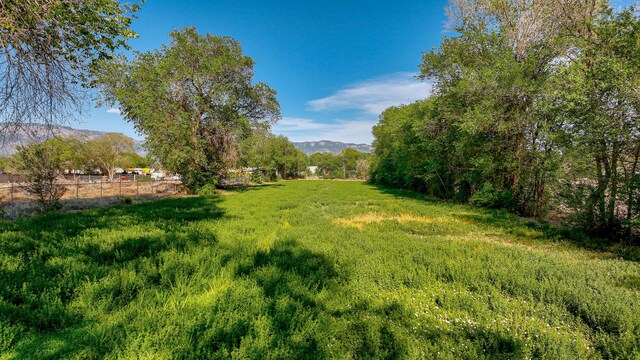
{"x": 77, "y": 187}
{"x": 120, "y": 183}
{"x": 101, "y": 190}
{"x": 137, "y": 189}
{"x": 152, "y": 190}
{"x": 11, "y": 191}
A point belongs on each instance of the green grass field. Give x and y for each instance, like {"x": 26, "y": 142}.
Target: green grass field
{"x": 308, "y": 269}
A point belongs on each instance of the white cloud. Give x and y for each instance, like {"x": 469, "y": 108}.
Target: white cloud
{"x": 352, "y": 131}
{"x": 113, "y": 111}
{"x": 299, "y": 124}
{"x": 360, "y": 103}
{"x": 375, "y": 95}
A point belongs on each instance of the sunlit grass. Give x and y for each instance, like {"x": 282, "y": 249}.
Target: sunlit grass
{"x": 308, "y": 269}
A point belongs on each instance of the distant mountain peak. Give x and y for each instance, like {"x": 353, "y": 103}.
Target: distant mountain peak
{"x": 39, "y": 132}
{"x": 334, "y": 147}
{"x": 30, "y": 133}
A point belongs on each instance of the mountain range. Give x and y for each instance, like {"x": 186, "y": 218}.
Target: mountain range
{"x": 38, "y": 132}
{"x": 334, "y": 147}
{"x": 31, "y": 133}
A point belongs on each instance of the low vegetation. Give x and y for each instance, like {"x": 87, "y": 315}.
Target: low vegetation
{"x": 308, "y": 269}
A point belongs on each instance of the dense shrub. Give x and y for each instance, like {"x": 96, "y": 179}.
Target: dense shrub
{"x": 493, "y": 199}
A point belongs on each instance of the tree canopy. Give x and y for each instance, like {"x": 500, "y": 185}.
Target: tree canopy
{"x": 194, "y": 100}
{"x": 108, "y": 152}
{"x": 47, "y": 48}
{"x": 349, "y": 164}
{"x": 275, "y": 155}
{"x": 535, "y": 110}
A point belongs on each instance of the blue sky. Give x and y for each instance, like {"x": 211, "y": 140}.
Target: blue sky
{"x": 335, "y": 64}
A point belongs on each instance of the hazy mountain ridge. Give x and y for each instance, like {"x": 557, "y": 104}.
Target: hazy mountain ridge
{"x": 38, "y": 132}
{"x": 334, "y": 147}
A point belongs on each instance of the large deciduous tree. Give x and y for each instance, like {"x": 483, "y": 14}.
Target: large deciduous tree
{"x": 194, "y": 99}
{"x": 46, "y": 50}
{"x": 597, "y": 99}
{"x": 108, "y": 152}
{"x": 536, "y": 106}
{"x": 491, "y": 78}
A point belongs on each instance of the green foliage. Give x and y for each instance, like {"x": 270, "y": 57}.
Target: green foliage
{"x": 329, "y": 165}
{"x": 532, "y": 121}
{"x": 598, "y": 106}
{"x": 42, "y": 165}
{"x": 415, "y": 148}
{"x": 194, "y": 99}
{"x": 486, "y": 107}
{"x": 132, "y": 159}
{"x": 74, "y": 31}
{"x": 308, "y": 269}
{"x": 274, "y": 155}
{"x": 349, "y": 164}
{"x": 354, "y": 164}
{"x": 48, "y": 49}
{"x": 73, "y": 152}
{"x": 108, "y": 152}
{"x": 207, "y": 190}
{"x": 492, "y": 199}
{"x": 257, "y": 177}
{"x": 4, "y": 164}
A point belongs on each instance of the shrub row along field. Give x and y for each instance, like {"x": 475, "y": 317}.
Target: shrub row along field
{"x": 308, "y": 269}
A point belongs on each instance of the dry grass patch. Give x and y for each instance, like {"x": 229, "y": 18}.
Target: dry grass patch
{"x": 360, "y": 221}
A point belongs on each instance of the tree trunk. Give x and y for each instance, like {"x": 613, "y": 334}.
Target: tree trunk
{"x": 631, "y": 177}
{"x": 613, "y": 181}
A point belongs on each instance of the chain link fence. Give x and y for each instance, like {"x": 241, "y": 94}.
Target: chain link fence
{"x": 85, "y": 191}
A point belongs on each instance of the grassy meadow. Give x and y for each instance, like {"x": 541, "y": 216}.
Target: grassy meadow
{"x": 308, "y": 269}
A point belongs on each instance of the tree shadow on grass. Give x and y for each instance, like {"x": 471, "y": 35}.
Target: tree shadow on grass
{"x": 290, "y": 316}
{"x": 253, "y": 187}
{"x": 277, "y": 307}
{"x": 290, "y": 278}
{"x": 404, "y": 194}
{"x": 532, "y": 232}
{"x": 526, "y": 230}
{"x": 298, "y": 272}
{"x": 384, "y": 341}
{"x": 170, "y": 211}
{"x": 46, "y": 259}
